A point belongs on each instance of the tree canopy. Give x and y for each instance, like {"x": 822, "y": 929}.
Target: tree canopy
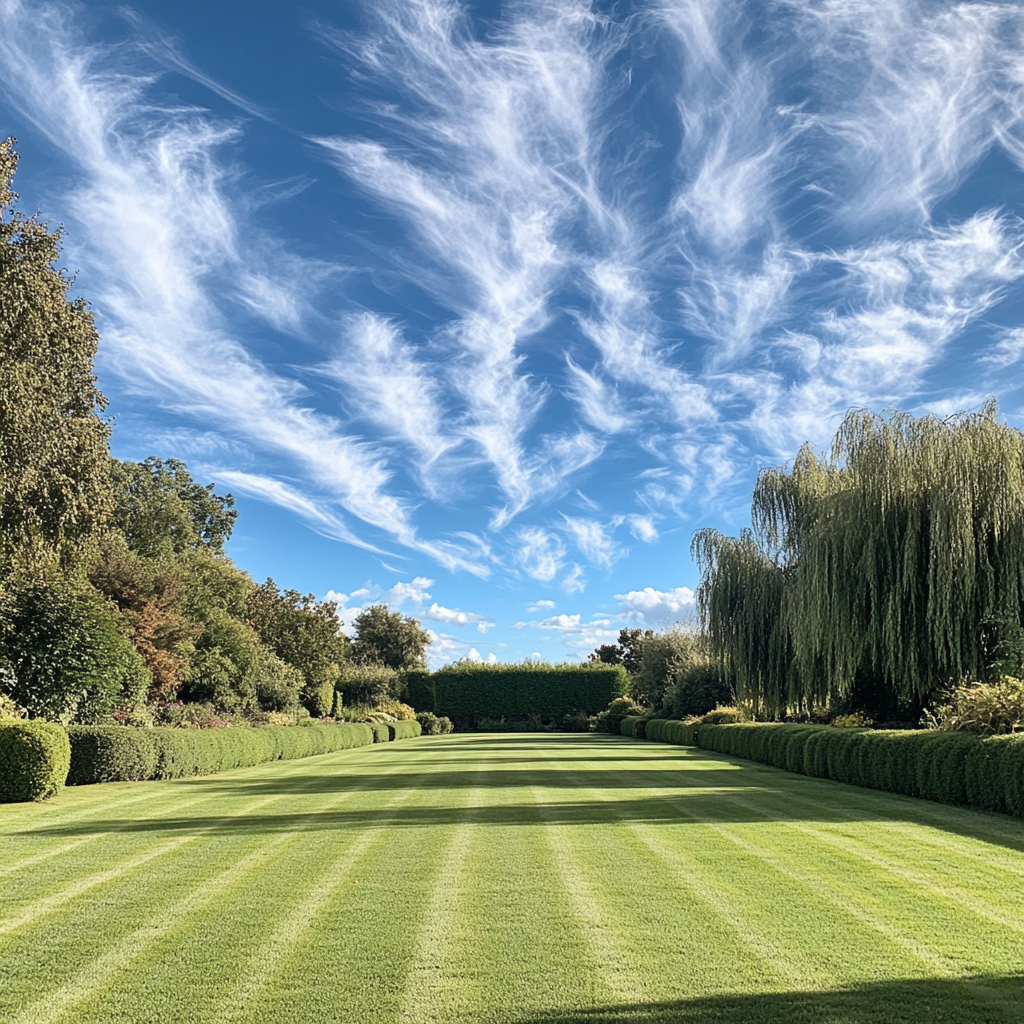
{"x": 389, "y": 638}
{"x": 890, "y": 568}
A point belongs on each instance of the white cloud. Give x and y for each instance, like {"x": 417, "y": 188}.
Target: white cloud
{"x": 576, "y": 635}
{"x": 1006, "y": 352}
{"x": 158, "y": 231}
{"x": 540, "y": 606}
{"x": 594, "y": 540}
{"x": 454, "y": 617}
{"x": 642, "y": 527}
{"x": 488, "y": 176}
{"x": 656, "y": 607}
{"x": 539, "y": 552}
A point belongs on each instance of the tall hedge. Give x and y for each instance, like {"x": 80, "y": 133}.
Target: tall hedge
{"x": 471, "y": 691}
{"x": 418, "y": 688}
{"x": 34, "y": 760}
{"x": 948, "y": 767}
{"x": 116, "y": 753}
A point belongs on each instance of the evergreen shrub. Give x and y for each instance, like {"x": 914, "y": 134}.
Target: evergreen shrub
{"x": 34, "y": 760}
{"x": 418, "y": 689}
{"x": 404, "y": 730}
{"x": 115, "y": 753}
{"x": 432, "y": 725}
{"x": 381, "y": 732}
{"x": 471, "y": 691}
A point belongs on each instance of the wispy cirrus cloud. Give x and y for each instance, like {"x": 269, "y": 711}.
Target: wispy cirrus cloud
{"x": 159, "y": 228}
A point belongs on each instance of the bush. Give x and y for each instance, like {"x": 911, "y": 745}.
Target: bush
{"x": 116, "y": 753}
{"x": 855, "y": 720}
{"x": 68, "y": 660}
{"x": 404, "y": 730}
{"x": 611, "y": 718}
{"x": 721, "y": 715}
{"x": 432, "y": 725}
{"x": 34, "y": 760}
{"x": 633, "y": 726}
{"x": 515, "y": 692}
{"x": 988, "y": 709}
{"x": 695, "y": 690}
{"x": 367, "y": 684}
{"x": 381, "y": 732}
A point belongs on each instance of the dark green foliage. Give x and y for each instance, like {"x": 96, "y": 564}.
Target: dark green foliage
{"x": 696, "y": 690}
{"x": 303, "y": 633}
{"x": 633, "y": 726}
{"x": 471, "y": 691}
{"x": 948, "y": 767}
{"x": 54, "y": 485}
{"x": 366, "y": 684}
{"x": 118, "y": 754}
{"x": 417, "y": 689}
{"x": 389, "y": 638}
{"x": 381, "y": 732}
{"x": 159, "y": 508}
{"x": 432, "y": 725}
{"x": 611, "y": 718}
{"x": 68, "y": 658}
{"x": 627, "y": 652}
{"x": 405, "y": 730}
{"x": 34, "y": 760}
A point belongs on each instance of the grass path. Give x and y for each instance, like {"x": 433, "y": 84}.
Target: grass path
{"x": 528, "y": 879}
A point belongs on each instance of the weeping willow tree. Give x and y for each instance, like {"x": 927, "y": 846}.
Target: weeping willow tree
{"x": 895, "y": 563}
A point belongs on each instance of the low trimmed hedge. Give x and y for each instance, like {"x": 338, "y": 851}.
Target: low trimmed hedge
{"x": 34, "y": 760}
{"x": 381, "y": 732}
{"x": 628, "y": 726}
{"x": 117, "y": 753}
{"x": 405, "y": 730}
{"x": 947, "y": 767}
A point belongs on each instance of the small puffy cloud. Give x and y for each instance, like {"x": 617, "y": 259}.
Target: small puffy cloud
{"x": 455, "y": 617}
{"x": 656, "y": 607}
{"x": 540, "y": 606}
{"x": 575, "y": 634}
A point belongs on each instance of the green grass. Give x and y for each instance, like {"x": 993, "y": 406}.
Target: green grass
{"x": 518, "y": 878}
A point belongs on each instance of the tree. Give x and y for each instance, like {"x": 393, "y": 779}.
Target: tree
{"x": 627, "y": 652}
{"x": 54, "y": 485}
{"x": 158, "y": 506}
{"x": 389, "y": 638}
{"x": 879, "y": 574}
{"x": 305, "y": 634}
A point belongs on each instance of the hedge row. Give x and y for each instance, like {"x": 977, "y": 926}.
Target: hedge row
{"x": 116, "y": 753}
{"x": 381, "y": 733}
{"x": 471, "y": 691}
{"x": 405, "y": 730}
{"x": 34, "y": 760}
{"x": 948, "y": 767}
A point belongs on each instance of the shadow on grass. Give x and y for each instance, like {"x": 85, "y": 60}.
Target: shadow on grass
{"x": 978, "y": 1000}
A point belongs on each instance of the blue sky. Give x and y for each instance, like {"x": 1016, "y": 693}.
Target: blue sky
{"x": 482, "y": 310}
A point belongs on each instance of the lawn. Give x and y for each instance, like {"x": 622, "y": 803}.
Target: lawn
{"x": 513, "y": 878}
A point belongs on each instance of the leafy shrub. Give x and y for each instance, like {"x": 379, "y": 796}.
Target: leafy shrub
{"x": 988, "y": 709}
{"x": 34, "y": 760}
{"x": 696, "y": 689}
{"x": 856, "y": 720}
{"x": 68, "y": 660}
{"x": 514, "y": 692}
{"x": 722, "y": 715}
{"x": 611, "y": 718}
{"x": 396, "y": 709}
{"x": 10, "y": 709}
{"x": 578, "y": 722}
{"x": 633, "y": 726}
{"x": 366, "y": 684}
{"x": 404, "y": 730}
{"x": 381, "y": 732}
{"x": 119, "y": 754}
{"x": 432, "y": 725}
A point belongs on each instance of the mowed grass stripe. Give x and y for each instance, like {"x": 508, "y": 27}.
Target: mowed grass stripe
{"x": 81, "y": 936}
{"x": 523, "y": 880}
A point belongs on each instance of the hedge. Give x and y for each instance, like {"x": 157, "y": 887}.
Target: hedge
{"x": 633, "y": 726}
{"x": 948, "y": 767}
{"x": 417, "y": 688}
{"x": 117, "y": 753}
{"x": 405, "y": 730}
{"x": 381, "y": 732}
{"x": 34, "y": 760}
{"x": 471, "y": 691}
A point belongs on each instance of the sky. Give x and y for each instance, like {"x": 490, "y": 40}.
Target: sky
{"x": 481, "y": 310}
